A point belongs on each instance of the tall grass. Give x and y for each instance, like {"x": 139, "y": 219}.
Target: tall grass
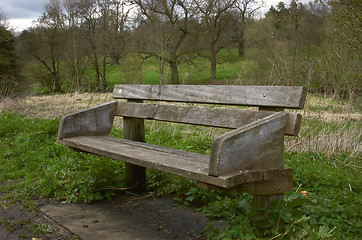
{"x": 332, "y": 128}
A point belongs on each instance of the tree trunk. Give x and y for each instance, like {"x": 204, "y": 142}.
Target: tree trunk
{"x": 161, "y": 66}
{"x": 241, "y": 47}
{"x": 104, "y": 76}
{"x": 336, "y": 93}
{"x": 57, "y": 86}
{"x": 115, "y": 59}
{"x": 174, "y": 67}
{"x": 95, "y": 63}
{"x": 174, "y": 72}
{"x": 98, "y": 77}
{"x": 213, "y": 62}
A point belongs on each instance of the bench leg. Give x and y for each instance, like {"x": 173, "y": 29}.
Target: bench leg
{"x": 134, "y": 129}
{"x": 265, "y": 201}
{"x": 136, "y": 178}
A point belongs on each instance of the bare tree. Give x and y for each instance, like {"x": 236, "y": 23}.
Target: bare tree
{"x": 214, "y": 18}
{"x": 168, "y": 19}
{"x": 50, "y": 25}
{"x": 3, "y": 18}
{"x": 75, "y": 52}
{"x": 95, "y": 28}
{"x": 245, "y": 10}
{"x": 341, "y": 50}
{"x": 118, "y": 29}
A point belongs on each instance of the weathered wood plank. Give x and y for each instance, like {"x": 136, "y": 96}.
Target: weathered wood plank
{"x": 134, "y": 130}
{"x": 169, "y": 160}
{"x": 93, "y": 121}
{"x": 267, "y": 96}
{"x": 268, "y": 182}
{"x": 293, "y": 125}
{"x": 178, "y": 162}
{"x": 213, "y": 117}
{"x": 256, "y": 146}
{"x": 280, "y": 183}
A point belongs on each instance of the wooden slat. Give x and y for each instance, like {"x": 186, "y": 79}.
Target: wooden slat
{"x": 214, "y": 117}
{"x": 182, "y": 163}
{"x": 281, "y": 182}
{"x": 256, "y": 146}
{"x": 267, "y": 182}
{"x": 265, "y": 96}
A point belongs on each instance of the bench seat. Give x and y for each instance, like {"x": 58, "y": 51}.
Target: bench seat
{"x": 187, "y": 164}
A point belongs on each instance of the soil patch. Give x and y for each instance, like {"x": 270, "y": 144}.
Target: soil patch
{"x": 18, "y": 223}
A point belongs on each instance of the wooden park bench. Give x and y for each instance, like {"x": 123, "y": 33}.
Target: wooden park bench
{"x": 248, "y": 158}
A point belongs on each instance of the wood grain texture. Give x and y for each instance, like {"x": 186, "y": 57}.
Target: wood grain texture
{"x": 293, "y": 125}
{"x": 268, "y": 182}
{"x": 267, "y": 96}
{"x": 205, "y": 116}
{"x": 134, "y": 130}
{"x": 256, "y": 146}
{"x": 280, "y": 183}
{"x": 182, "y": 163}
{"x": 93, "y": 121}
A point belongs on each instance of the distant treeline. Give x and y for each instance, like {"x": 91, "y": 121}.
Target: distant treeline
{"x": 316, "y": 45}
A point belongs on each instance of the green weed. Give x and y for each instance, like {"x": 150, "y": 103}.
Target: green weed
{"x": 11, "y": 226}
{"x": 41, "y": 229}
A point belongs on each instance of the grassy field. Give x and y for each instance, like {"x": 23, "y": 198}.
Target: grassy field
{"x": 326, "y": 159}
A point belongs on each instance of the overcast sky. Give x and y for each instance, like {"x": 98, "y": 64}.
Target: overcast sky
{"x": 21, "y": 13}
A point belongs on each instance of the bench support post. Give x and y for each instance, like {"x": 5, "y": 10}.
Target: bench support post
{"x": 135, "y": 178}
{"x": 265, "y": 201}
{"x": 134, "y": 129}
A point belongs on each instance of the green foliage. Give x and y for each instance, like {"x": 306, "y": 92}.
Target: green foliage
{"x": 41, "y": 229}
{"x": 332, "y": 209}
{"x": 32, "y": 164}
{"x": 9, "y": 69}
{"x": 316, "y": 46}
{"x": 29, "y": 154}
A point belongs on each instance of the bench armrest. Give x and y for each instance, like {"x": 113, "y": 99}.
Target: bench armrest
{"x": 256, "y": 146}
{"x": 93, "y": 121}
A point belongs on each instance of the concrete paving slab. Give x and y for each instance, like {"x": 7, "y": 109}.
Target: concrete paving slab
{"x": 129, "y": 217}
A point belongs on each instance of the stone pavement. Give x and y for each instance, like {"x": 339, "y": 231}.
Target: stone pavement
{"x": 130, "y": 217}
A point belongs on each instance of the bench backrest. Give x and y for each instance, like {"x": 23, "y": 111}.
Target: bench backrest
{"x": 266, "y": 150}
{"x": 258, "y": 96}
{"x": 266, "y": 98}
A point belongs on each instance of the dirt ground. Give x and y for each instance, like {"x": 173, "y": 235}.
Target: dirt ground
{"x": 18, "y": 223}
{"x": 126, "y": 217}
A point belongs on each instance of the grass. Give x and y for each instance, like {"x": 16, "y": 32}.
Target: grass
{"x": 32, "y": 166}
